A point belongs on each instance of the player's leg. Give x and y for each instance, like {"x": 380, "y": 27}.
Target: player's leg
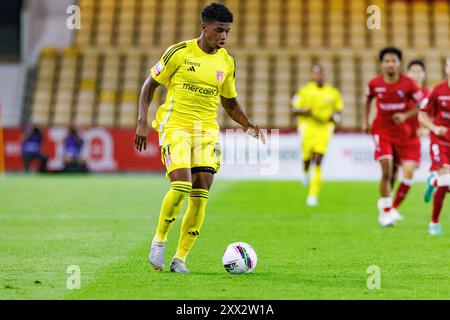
{"x": 42, "y": 162}
{"x": 384, "y": 154}
{"x": 440, "y": 159}
{"x": 306, "y": 147}
{"x": 385, "y": 201}
{"x": 430, "y": 188}
{"x": 395, "y": 171}
{"x": 202, "y": 179}
{"x": 206, "y": 161}
{"x": 442, "y": 187}
{"x": 316, "y": 180}
{"x": 319, "y": 145}
{"x": 409, "y": 157}
{"x": 306, "y": 166}
{"x": 176, "y": 156}
{"x": 408, "y": 168}
{"x": 435, "y": 155}
{"x": 27, "y": 158}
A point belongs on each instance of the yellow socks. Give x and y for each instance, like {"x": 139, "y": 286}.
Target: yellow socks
{"x": 316, "y": 182}
{"x": 192, "y": 222}
{"x": 171, "y": 207}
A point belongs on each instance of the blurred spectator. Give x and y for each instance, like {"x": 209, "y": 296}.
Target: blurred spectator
{"x": 73, "y": 146}
{"x": 31, "y": 149}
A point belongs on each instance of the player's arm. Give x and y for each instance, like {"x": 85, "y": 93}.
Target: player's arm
{"x": 161, "y": 73}
{"x": 428, "y": 106}
{"x": 145, "y": 98}
{"x": 366, "y": 114}
{"x": 336, "y": 117}
{"x": 427, "y": 122}
{"x": 297, "y": 105}
{"x": 417, "y": 96}
{"x": 368, "y": 97}
{"x": 400, "y": 117}
{"x": 301, "y": 112}
{"x": 235, "y": 111}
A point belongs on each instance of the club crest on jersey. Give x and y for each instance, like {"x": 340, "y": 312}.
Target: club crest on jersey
{"x": 400, "y": 93}
{"x": 168, "y": 160}
{"x": 219, "y": 76}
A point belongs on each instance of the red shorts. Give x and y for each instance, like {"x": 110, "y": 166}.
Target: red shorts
{"x": 439, "y": 154}
{"x": 409, "y": 151}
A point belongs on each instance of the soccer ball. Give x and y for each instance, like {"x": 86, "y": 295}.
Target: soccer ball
{"x": 239, "y": 257}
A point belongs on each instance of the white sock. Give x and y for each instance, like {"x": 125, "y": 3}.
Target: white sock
{"x": 407, "y": 182}
{"x": 443, "y": 180}
{"x": 384, "y": 203}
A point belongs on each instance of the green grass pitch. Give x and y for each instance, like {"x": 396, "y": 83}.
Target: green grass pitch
{"x": 104, "y": 224}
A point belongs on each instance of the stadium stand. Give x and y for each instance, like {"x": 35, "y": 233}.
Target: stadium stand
{"x": 97, "y": 80}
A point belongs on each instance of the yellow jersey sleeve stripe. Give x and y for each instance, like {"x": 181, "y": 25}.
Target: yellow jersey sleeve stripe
{"x": 171, "y": 49}
{"x": 169, "y": 54}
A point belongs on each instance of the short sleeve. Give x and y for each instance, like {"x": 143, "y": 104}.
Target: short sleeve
{"x": 298, "y": 100}
{"x": 416, "y": 93}
{"x": 369, "y": 92}
{"x": 339, "y": 102}
{"x": 229, "y": 85}
{"x": 162, "y": 72}
{"x": 429, "y": 103}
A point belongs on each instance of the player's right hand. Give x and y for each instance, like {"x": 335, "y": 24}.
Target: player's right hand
{"x": 398, "y": 117}
{"x": 366, "y": 129}
{"x": 140, "y": 138}
{"x": 440, "y": 131}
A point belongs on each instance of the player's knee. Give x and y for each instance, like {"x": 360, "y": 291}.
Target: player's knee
{"x": 386, "y": 175}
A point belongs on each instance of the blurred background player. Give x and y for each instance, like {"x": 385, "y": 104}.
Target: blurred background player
{"x": 435, "y": 115}
{"x": 32, "y": 149}
{"x": 198, "y": 74}
{"x": 73, "y": 147}
{"x": 390, "y": 129}
{"x": 416, "y": 71}
{"x": 318, "y": 106}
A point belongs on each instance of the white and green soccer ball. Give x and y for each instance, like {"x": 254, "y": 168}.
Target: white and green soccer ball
{"x": 239, "y": 257}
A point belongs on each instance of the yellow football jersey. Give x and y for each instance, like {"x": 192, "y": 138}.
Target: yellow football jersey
{"x": 195, "y": 81}
{"x": 322, "y": 101}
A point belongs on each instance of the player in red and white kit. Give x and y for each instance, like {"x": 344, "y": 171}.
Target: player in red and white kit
{"x": 416, "y": 71}
{"x": 435, "y": 115}
{"x": 391, "y": 132}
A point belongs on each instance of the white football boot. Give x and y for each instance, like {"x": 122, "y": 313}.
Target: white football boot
{"x": 157, "y": 254}
{"x": 385, "y": 220}
{"x": 396, "y": 216}
{"x": 312, "y": 201}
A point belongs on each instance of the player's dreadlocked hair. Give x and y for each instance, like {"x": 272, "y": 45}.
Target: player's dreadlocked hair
{"x": 216, "y": 12}
{"x": 416, "y": 63}
{"x": 393, "y": 50}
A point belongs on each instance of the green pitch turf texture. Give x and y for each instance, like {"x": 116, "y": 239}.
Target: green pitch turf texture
{"x": 104, "y": 224}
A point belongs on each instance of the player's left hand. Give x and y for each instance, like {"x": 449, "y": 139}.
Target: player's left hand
{"x": 398, "y": 117}
{"x": 256, "y": 133}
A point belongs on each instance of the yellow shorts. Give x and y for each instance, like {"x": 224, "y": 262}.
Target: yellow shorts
{"x": 183, "y": 149}
{"x": 315, "y": 141}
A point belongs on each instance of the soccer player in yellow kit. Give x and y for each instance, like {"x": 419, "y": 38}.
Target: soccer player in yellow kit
{"x": 318, "y": 107}
{"x": 198, "y": 74}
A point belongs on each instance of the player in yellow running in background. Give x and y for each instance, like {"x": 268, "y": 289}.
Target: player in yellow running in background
{"x": 199, "y": 74}
{"x": 318, "y": 106}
